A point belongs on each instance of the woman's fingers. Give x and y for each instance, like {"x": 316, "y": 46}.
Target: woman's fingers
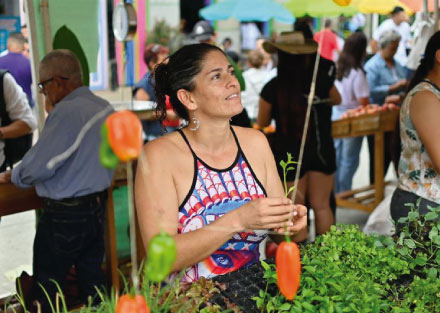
{"x": 282, "y": 218}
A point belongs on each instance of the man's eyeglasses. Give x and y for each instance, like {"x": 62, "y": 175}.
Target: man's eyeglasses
{"x": 41, "y": 84}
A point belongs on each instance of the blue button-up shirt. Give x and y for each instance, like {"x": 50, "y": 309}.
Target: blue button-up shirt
{"x": 81, "y": 173}
{"x": 380, "y": 76}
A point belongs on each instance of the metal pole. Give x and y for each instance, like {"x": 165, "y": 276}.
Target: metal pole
{"x": 436, "y": 15}
{"x": 425, "y": 6}
{"x": 44, "y": 8}
{"x": 35, "y": 59}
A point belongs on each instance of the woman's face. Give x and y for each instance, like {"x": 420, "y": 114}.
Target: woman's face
{"x": 217, "y": 91}
{"x": 390, "y": 50}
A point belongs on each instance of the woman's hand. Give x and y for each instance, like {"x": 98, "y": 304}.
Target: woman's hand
{"x": 299, "y": 221}
{"x": 268, "y": 213}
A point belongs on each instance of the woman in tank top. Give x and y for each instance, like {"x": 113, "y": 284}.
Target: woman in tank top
{"x": 213, "y": 187}
{"x": 419, "y": 165}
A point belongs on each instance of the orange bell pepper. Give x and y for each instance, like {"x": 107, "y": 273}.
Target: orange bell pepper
{"x": 288, "y": 264}
{"x": 124, "y": 135}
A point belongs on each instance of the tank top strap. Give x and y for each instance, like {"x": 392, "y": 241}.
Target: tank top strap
{"x": 236, "y": 141}
{"x": 187, "y": 142}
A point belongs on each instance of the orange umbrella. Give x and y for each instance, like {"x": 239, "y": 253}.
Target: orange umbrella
{"x": 417, "y": 5}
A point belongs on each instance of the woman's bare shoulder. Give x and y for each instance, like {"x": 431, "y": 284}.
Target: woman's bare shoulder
{"x": 251, "y": 138}
{"x": 166, "y": 148}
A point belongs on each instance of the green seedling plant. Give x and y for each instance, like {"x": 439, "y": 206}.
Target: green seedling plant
{"x": 287, "y": 166}
{"x": 418, "y": 243}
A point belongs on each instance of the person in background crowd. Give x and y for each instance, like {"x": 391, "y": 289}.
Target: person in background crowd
{"x": 329, "y": 44}
{"x": 387, "y": 81}
{"x": 250, "y": 33}
{"x": 305, "y": 25}
{"x": 14, "y": 102}
{"x": 227, "y": 45}
{"x": 255, "y": 78}
{"x": 399, "y": 23}
{"x": 352, "y": 85}
{"x": 268, "y": 59}
{"x": 216, "y": 190}
{"x": 18, "y": 64}
{"x": 423, "y": 28}
{"x": 70, "y": 230}
{"x": 419, "y": 165}
{"x": 284, "y": 98}
{"x": 154, "y": 54}
{"x": 25, "y": 33}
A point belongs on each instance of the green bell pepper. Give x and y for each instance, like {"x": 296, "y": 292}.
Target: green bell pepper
{"x": 161, "y": 255}
{"x": 106, "y": 154}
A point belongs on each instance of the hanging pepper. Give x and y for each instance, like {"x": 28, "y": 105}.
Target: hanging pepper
{"x": 122, "y": 134}
{"x": 106, "y": 155}
{"x": 288, "y": 264}
{"x": 161, "y": 255}
{"x": 129, "y": 304}
{"x": 342, "y": 3}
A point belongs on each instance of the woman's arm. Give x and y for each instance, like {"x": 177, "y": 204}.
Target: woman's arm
{"x": 264, "y": 113}
{"x": 157, "y": 209}
{"x": 363, "y": 101}
{"x": 335, "y": 97}
{"x": 141, "y": 94}
{"x": 425, "y": 115}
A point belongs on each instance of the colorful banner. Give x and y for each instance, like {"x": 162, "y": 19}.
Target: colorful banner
{"x": 130, "y": 55}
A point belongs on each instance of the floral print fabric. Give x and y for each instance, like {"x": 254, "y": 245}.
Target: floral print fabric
{"x": 416, "y": 171}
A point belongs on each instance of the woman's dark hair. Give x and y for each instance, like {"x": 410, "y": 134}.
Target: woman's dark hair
{"x": 294, "y": 76}
{"x": 427, "y": 62}
{"x": 179, "y": 73}
{"x": 352, "y": 55}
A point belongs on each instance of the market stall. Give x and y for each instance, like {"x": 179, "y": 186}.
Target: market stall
{"x": 367, "y": 198}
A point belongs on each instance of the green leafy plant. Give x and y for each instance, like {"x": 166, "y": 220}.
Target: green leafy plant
{"x": 343, "y": 271}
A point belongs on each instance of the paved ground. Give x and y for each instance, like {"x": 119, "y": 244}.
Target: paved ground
{"x": 17, "y": 232}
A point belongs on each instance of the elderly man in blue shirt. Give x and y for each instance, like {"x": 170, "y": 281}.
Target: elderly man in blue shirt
{"x": 65, "y": 169}
{"x": 386, "y": 79}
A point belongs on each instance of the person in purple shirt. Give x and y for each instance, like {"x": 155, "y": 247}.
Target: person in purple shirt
{"x": 17, "y": 64}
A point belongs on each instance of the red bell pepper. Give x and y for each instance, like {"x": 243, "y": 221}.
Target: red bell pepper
{"x": 288, "y": 264}
{"x": 124, "y": 135}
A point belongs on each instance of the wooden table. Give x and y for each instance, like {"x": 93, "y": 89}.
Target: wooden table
{"x": 367, "y": 198}
{"x": 15, "y": 200}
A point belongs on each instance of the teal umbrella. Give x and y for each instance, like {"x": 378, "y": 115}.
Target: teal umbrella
{"x": 247, "y": 10}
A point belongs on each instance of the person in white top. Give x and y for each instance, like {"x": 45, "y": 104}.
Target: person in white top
{"x": 352, "y": 85}
{"x": 254, "y": 78}
{"x": 399, "y": 23}
{"x": 19, "y": 112}
{"x": 423, "y": 28}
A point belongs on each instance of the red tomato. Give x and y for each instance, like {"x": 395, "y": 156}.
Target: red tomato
{"x": 127, "y": 304}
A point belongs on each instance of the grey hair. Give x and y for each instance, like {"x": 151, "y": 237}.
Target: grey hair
{"x": 64, "y": 63}
{"x": 388, "y": 37}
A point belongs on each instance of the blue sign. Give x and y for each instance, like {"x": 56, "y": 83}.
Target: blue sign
{"x": 8, "y": 24}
